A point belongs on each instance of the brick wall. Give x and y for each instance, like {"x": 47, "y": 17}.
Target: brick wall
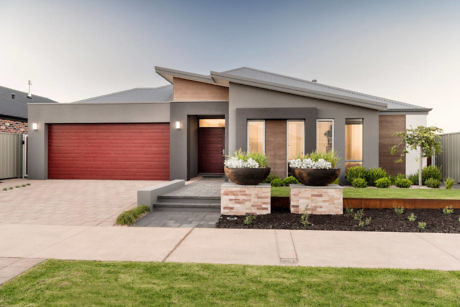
{"x": 317, "y": 200}
{"x": 245, "y": 199}
{"x": 8, "y": 125}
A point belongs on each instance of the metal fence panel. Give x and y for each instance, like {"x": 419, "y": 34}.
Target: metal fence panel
{"x": 11, "y": 155}
{"x": 449, "y": 159}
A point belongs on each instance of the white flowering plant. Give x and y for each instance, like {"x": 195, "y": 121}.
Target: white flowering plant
{"x": 241, "y": 159}
{"x": 315, "y": 160}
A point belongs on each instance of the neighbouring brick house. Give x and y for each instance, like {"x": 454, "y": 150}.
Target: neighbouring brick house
{"x": 13, "y": 109}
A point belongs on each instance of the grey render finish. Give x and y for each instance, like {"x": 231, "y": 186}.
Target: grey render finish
{"x": 184, "y": 156}
{"x": 242, "y": 96}
{"x": 81, "y": 113}
{"x": 17, "y": 107}
{"x": 135, "y": 95}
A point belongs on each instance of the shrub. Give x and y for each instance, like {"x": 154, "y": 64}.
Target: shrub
{"x": 330, "y": 156}
{"x": 356, "y": 172}
{"x": 449, "y": 183}
{"x": 448, "y": 210}
{"x": 304, "y": 218}
{"x": 5, "y": 189}
{"x": 270, "y": 177}
{"x": 413, "y": 178}
{"x": 290, "y": 180}
{"x": 129, "y": 217}
{"x": 17, "y": 187}
{"x": 403, "y": 183}
{"x": 431, "y": 172}
{"x": 421, "y": 225}
{"x": 384, "y": 182}
{"x": 359, "y": 183}
{"x": 358, "y": 216}
{"x": 412, "y": 217}
{"x": 399, "y": 210}
{"x": 277, "y": 182}
{"x": 249, "y": 219}
{"x": 349, "y": 210}
{"x": 433, "y": 183}
{"x": 374, "y": 174}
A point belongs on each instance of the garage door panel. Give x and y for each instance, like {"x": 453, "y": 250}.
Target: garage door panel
{"x": 108, "y": 151}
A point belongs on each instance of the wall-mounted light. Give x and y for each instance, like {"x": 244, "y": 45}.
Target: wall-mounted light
{"x": 178, "y": 124}
{"x": 34, "y": 126}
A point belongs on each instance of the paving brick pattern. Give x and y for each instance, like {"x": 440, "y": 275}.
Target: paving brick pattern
{"x": 317, "y": 200}
{"x": 181, "y": 217}
{"x": 13, "y": 126}
{"x": 245, "y": 199}
{"x": 68, "y": 202}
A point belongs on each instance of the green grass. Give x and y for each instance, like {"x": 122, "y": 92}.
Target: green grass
{"x": 82, "y": 283}
{"x": 385, "y": 193}
{"x": 129, "y": 217}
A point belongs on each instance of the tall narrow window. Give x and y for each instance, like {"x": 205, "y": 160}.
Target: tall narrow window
{"x": 353, "y": 142}
{"x": 324, "y": 135}
{"x": 296, "y": 138}
{"x": 256, "y": 136}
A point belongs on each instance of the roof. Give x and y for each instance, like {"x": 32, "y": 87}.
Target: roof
{"x": 263, "y": 79}
{"x": 314, "y": 89}
{"x": 17, "y": 107}
{"x": 135, "y": 95}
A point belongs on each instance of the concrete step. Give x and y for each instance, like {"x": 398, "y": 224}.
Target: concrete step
{"x": 188, "y": 199}
{"x": 197, "y": 205}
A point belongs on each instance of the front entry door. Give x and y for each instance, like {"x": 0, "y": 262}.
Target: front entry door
{"x": 211, "y": 144}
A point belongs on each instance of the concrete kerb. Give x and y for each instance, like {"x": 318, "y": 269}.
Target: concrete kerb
{"x": 149, "y": 195}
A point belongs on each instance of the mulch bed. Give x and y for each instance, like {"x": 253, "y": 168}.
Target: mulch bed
{"x": 382, "y": 220}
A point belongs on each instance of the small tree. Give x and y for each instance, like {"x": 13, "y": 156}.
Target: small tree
{"x": 425, "y": 139}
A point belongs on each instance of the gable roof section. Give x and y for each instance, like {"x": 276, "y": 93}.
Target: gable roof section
{"x": 259, "y": 78}
{"x": 135, "y": 95}
{"x": 17, "y": 107}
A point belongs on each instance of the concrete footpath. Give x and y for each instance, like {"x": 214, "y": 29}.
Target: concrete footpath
{"x": 237, "y": 246}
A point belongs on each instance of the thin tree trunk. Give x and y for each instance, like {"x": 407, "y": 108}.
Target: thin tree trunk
{"x": 420, "y": 167}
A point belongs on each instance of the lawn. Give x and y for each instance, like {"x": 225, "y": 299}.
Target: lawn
{"x": 56, "y": 282}
{"x": 385, "y": 193}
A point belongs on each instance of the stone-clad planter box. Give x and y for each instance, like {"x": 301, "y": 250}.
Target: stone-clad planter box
{"x": 316, "y": 199}
{"x": 245, "y": 199}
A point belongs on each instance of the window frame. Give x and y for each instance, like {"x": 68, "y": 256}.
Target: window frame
{"x": 287, "y": 136}
{"x": 247, "y": 133}
{"x": 333, "y": 132}
{"x": 362, "y": 142}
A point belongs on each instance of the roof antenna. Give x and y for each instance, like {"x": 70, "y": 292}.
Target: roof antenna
{"x": 314, "y": 80}
{"x": 29, "y": 95}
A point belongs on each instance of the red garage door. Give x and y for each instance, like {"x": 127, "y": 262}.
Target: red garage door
{"x": 108, "y": 151}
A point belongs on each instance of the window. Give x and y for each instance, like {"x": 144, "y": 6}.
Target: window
{"x": 353, "y": 143}
{"x": 256, "y": 136}
{"x": 324, "y": 135}
{"x": 207, "y": 123}
{"x": 296, "y": 138}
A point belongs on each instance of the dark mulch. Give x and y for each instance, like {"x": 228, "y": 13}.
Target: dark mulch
{"x": 382, "y": 220}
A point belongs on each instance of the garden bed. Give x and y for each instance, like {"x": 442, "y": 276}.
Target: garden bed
{"x": 382, "y": 220}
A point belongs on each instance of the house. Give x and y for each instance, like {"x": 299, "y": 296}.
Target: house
{"x": 183, "y": 129}
{"x": 13, "y": 109}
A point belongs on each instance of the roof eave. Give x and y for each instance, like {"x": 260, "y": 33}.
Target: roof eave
{"x": 297, "y": 91}
{"x": 168, "y": 74}
{"x": 418, "y": 110}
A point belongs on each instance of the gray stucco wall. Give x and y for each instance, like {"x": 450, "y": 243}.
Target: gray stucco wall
{"x": 242, "y": 96}
{"x": 45, "y": 114}
{"x": 181, "y": 161}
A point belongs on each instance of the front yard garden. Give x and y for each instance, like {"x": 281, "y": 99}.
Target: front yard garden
{"x": 84, "y": 283}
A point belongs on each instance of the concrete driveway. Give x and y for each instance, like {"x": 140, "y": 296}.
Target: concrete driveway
{"x": 67, "y": 202}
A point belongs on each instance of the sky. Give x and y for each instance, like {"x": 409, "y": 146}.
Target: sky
{"x": 71, "y": 50}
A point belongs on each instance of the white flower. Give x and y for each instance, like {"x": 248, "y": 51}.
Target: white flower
{"x": 233, "y": 162}
{"x": 309, "y": 163}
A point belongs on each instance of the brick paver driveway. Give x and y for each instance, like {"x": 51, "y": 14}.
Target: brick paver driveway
{"x": 67, "y": 202}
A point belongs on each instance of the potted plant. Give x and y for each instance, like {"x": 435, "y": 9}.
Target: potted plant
{"x": 246, "y": 168}
{"x": 316, "y": 169}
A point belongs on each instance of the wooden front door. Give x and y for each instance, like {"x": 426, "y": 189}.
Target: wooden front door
{"x": 211, "y": 144}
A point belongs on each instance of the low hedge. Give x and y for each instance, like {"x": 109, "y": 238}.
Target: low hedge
{"x": 129, "y": 217}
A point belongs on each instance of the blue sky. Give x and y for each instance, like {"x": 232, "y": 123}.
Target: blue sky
{"x": 71, "y": 50}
